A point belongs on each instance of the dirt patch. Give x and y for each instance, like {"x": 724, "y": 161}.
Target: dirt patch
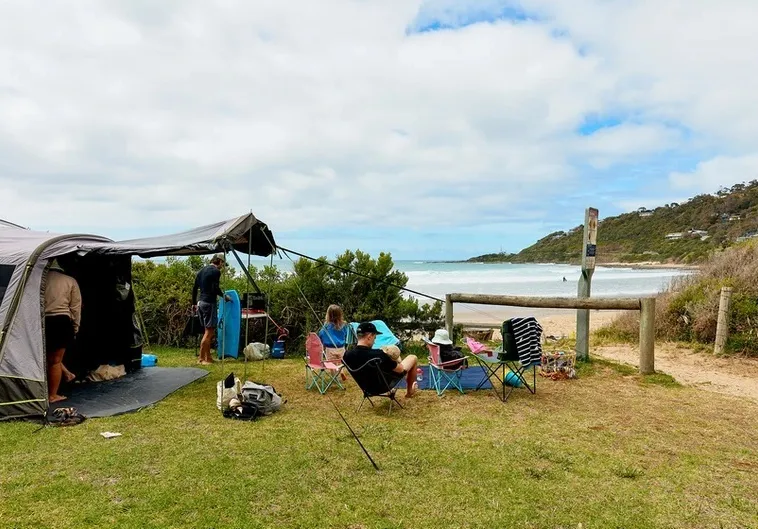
{"x": 730, "y": 376}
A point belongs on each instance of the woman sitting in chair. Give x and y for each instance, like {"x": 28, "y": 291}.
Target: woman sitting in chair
{"x": 448, "y": 353}
{"x": 333, "y": 334}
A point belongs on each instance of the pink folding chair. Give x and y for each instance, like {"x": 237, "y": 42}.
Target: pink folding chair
{"x": 318, "y": 371}
{"x": 444, "y": 374}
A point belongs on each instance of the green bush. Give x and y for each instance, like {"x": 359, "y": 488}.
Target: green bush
{"x": 298, "y": 301}
{"x": 689, "y": 310}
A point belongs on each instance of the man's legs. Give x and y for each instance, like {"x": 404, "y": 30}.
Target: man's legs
{"x": 205, "y": 346}
{"x": 208, "y": 317}
{"x": 410, "y": 364}
{"x": 54, "y": 374}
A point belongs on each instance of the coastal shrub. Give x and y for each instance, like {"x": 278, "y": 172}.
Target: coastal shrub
{"x": 688, "y": 311}
{"x": 298, "y": 300}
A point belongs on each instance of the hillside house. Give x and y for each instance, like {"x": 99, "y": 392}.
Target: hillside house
{"x": 749, "y": 235}
{"x": 674, "y": 236}
{"x": 644, "y": 212}
{"x": 732, "y": 218}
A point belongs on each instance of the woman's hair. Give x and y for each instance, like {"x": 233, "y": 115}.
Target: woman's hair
{"x": 334, "y": 316}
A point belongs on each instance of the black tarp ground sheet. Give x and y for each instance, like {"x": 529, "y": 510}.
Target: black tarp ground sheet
{"x": 132, "y": 392}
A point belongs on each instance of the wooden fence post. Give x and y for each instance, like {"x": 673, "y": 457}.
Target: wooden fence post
{"x": 722, "y": 325}
{"x": 647, "y": 336}
{"x": 449, "y": 315}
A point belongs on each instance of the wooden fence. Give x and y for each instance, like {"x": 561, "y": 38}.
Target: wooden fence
{"x": 646, "y": 306}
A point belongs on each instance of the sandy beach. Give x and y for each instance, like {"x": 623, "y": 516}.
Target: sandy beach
{"x": 555, "y": 322}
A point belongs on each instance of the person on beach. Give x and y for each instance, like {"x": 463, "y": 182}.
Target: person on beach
{"x": 333, "y": 333}
{"x": 63, "y": 314}
{"x": 208, "y": 284}
{"x": 364, "y": 351}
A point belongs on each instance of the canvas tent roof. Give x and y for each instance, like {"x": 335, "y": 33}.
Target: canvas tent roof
{"x": 8, "y": 224}
{"x": 245, "y": 233}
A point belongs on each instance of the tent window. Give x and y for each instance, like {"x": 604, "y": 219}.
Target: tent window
{"x": 6, "y": 271}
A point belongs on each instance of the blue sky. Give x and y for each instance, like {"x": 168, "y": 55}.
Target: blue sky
{"x": 434, "y": 129}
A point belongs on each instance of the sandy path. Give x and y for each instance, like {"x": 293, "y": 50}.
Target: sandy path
{"x": 734, "y": 376}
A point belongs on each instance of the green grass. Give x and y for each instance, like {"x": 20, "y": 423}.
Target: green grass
{"x": 608, "y": 449}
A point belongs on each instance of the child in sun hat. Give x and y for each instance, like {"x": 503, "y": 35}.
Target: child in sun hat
{"x": 448, "y": 353}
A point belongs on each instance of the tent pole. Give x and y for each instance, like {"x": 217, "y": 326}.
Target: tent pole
{"x": 223, "y": 343}
{"x": 247, "y": 319}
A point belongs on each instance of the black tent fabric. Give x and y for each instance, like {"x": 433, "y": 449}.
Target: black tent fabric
{"x": 130, "y": 393}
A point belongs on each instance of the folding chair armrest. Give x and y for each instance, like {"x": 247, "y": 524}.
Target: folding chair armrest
{"x": 454, "y": 361}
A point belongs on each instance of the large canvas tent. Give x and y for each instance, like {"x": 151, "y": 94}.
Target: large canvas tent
{"x": 109, "y": 332}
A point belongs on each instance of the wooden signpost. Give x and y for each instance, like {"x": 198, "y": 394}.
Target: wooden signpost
{"x": 589, "y": 252}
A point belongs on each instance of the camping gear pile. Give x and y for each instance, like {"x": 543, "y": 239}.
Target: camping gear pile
{"x": 246, "y": 401}
{"x": 558, "y": 365}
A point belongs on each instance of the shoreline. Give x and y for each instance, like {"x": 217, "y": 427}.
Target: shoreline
{"x": 642, "y": 265}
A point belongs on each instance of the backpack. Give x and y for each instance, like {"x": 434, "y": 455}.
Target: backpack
{"x": 264, "y": 397}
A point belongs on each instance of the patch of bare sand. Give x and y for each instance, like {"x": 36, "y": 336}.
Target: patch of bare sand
{"x": 560, "y": 323}
{"x": 736, "y": 376}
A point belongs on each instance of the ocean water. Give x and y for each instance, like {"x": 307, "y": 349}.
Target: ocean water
{"x": 440, "y": 278}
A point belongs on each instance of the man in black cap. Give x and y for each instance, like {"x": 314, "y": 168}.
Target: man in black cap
{"x": 364, "y": 351}
{"x": 208, "y": 283}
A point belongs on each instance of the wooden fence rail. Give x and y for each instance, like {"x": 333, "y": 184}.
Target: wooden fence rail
{"x": 646, "y": 306}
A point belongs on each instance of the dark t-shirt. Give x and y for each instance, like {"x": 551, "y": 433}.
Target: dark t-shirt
{"x": 357, "y": 356}
{"x": 208, "y": 282}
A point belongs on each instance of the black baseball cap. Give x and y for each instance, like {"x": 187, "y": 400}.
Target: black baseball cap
{"x": 367, "y": 328}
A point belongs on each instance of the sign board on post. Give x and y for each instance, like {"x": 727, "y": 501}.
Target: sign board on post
{"x": 590, "y": 239}
{"x": 589, "y": 253}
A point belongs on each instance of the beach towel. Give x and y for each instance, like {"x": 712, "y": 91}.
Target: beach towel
{"x": 527, "y": 333}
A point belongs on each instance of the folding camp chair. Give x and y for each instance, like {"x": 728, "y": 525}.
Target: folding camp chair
{"x": 444, "y": 374}
{"x": 319, "y": 372}
{"x": 510, "y": 358}
{"x": 374, "y": 382}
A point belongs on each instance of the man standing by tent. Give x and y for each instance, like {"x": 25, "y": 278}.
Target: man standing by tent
{"x": 208, "y": 283}
{"x": 63, "y": 314}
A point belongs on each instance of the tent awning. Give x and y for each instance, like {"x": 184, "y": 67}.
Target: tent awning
{"x": 244, "y": 234}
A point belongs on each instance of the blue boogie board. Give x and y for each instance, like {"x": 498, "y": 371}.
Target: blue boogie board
{"x": 229, "y": 323}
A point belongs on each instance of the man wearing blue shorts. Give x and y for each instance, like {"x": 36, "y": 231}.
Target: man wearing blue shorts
{"x": 208, "y": 284}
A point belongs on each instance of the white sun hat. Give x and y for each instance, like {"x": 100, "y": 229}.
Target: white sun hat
{"x": 442, "y": 337}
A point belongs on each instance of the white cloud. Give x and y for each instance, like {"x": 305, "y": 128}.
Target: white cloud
{"x": 134, "y": 114}
{"x": 719, "y": 171}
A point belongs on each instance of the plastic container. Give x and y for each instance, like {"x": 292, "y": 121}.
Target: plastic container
{"x": 149, "y": 360}
{"x": 278, "y": 350}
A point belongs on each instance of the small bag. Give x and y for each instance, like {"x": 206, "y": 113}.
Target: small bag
{"x": 264, "y": 397}
{"x": 66, "y": 417}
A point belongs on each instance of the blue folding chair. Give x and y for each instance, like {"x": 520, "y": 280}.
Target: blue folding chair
{"x": 386, "y": 338}
{"x": 444, "y": 375}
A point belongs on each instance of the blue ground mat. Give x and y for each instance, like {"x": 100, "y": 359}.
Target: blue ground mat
{"x": 134, "y": 391}
{"x": 469, "y": 380}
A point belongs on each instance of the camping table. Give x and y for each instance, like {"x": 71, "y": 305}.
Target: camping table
{"x": 494, "y": 368}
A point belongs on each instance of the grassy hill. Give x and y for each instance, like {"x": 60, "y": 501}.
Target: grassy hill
{"x": 674, "y": 233}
